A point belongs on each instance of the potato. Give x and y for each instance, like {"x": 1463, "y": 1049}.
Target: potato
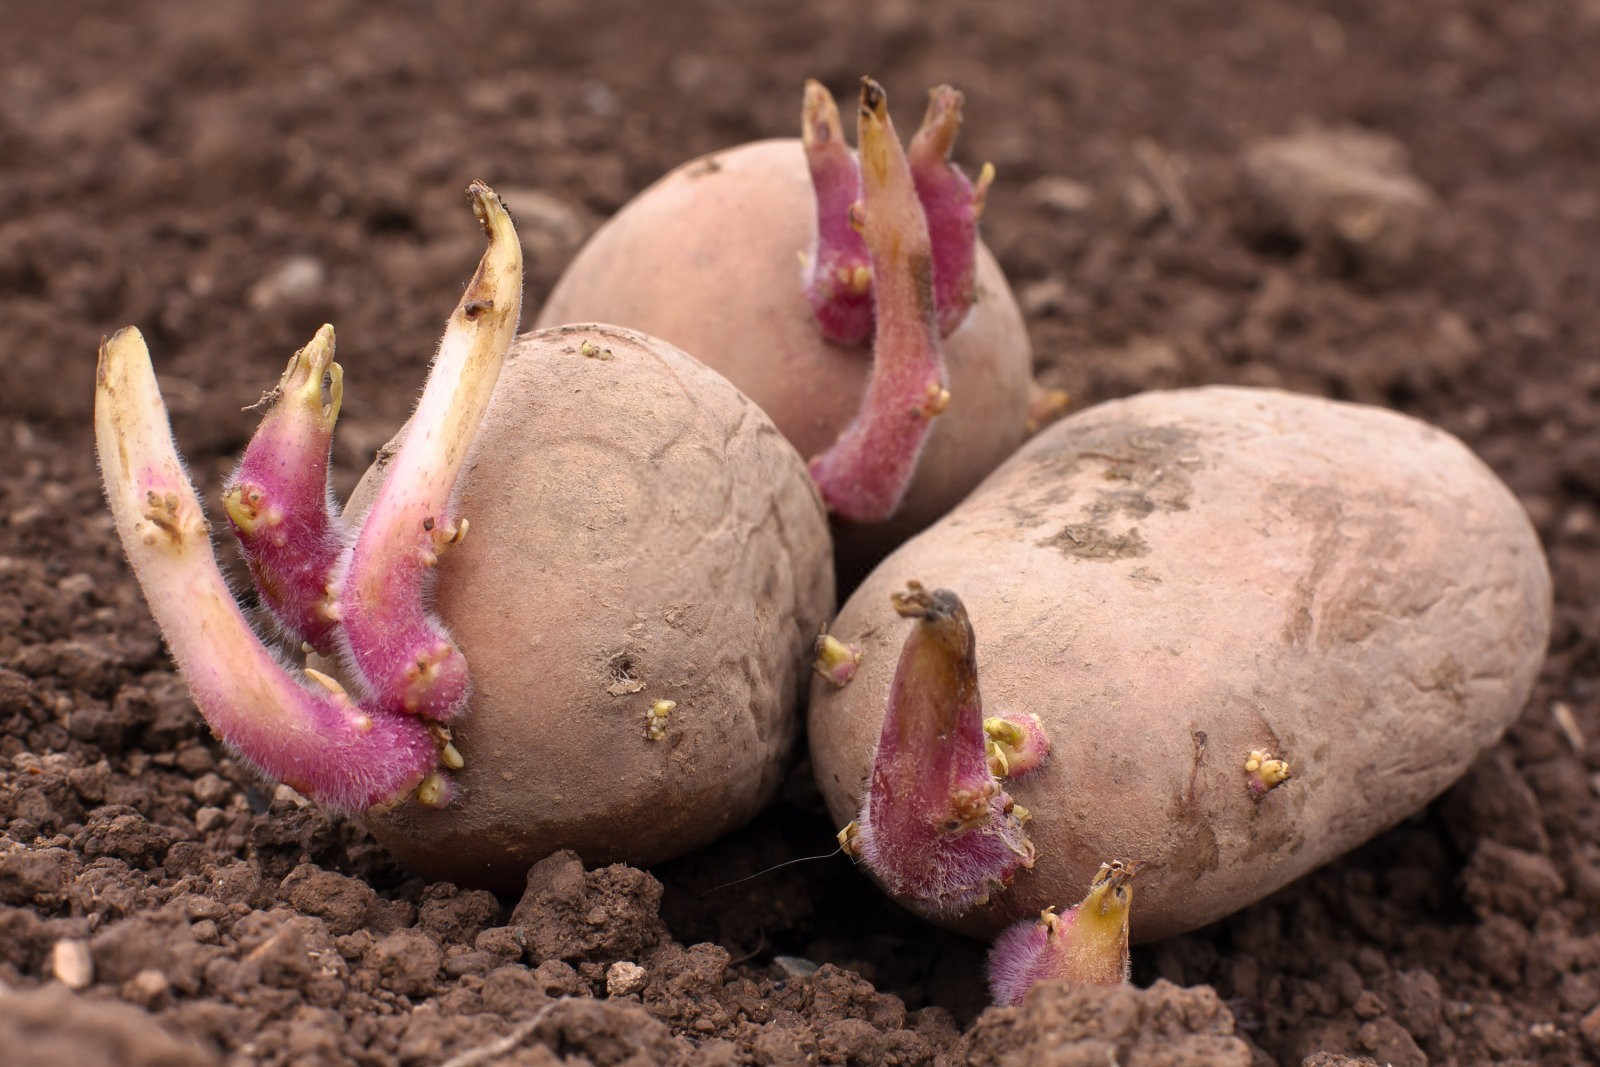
{"x": 1174, "y": 581}
{"x": 640, "y": 533}
{"x": 708, "y": 258}
{"x": 633, "y": 619}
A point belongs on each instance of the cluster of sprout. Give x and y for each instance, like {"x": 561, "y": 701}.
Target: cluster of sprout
{"x": 360, "y": 593}
{"x": 896, "y": 247}
{"x": 938, "y": 829}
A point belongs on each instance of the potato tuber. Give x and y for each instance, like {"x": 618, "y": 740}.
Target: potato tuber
{"x": 1256, "y": 628}
{"x": 888, "y": 249}
{"x": 647, "y": 570}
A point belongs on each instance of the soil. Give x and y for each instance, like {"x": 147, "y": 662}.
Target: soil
{"x": 229, "y": 175}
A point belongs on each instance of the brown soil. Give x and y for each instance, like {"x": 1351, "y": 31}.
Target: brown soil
{"x": 229, "y": 175}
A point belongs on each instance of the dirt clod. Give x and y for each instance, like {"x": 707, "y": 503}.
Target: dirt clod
{"x": 1348, "y": 194}
{"x": 52, "y": 1025}
{"x": 571, "y": 915}
{"x": 1103, "y": 1025}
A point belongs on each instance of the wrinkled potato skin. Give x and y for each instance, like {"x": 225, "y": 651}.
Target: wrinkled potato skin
{"x": 708, "y": 258}
{"x": 1173, "y": 580}
{"x": 632, "y": 517}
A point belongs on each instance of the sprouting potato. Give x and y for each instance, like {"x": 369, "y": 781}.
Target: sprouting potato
{"x": 1255, "y": 629}
{"x": 848, "y": 295}
{"x": 655, "y": 567}
{"x": 629, "y": 565}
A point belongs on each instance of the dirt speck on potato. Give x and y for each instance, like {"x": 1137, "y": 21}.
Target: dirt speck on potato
{"x": 619, "y": 671}
{"x": 1141, "y": 471}
{"x": 1086, "y": 540}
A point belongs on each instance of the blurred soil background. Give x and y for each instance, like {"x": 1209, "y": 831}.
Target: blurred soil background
{"x": 1388, "y": 201}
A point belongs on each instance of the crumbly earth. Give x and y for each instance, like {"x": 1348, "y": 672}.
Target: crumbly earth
{"x": 228, "y": 176}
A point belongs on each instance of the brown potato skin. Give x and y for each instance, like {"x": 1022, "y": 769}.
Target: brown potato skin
{"x": 1175, "y": 579}
{"x": 709, "y": 259}
{"x": 635, "y": 507}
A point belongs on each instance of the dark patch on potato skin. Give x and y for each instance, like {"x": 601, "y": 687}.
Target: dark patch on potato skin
{"x": 1449, "y": 677}
{"x": 700, "y": 168}
{"x": 1143, "y": 470}
{"x": 1319, "y": 511}
{"x": 1087, "y": 540}
{"x": 1376, "y": 594}
{"x": 1199, "y": 738}
{"x": 1133, "y": 502}
{"x": 1196, "y": 851}
{"x": 1348, "y": 593}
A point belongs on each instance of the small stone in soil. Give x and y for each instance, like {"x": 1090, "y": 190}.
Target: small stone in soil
{"x": 145, "y": 988}
{"x": 623, "y": 978}
{"x": 71, "y": 963}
